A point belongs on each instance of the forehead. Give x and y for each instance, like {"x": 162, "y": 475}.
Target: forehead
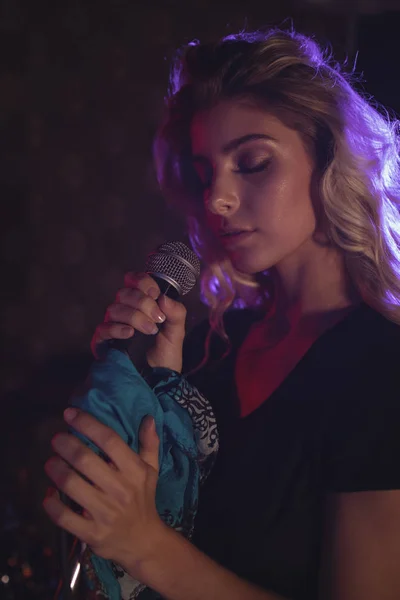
{"x": 212, "y": 129}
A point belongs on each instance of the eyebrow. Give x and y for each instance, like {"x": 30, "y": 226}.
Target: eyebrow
{"x": 237, "y": 142}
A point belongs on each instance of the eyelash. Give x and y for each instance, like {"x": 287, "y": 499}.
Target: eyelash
{"x": 246, "y": 171}
{"x": 257, "y": 169}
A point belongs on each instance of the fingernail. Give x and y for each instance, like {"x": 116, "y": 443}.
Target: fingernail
{"x": 150, "y": 328}
{"x": 158, "y": 315}
{"x": 154, "y": 293}
{"x": 150, "y": 423}
{"x": 127, "y": 331}
{"x": 70, "y": 414}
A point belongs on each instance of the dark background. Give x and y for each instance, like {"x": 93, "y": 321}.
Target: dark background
{"x": 81, "y": 93}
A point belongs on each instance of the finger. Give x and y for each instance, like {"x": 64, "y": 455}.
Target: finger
{"x": 76, "y": 488}
{"x": 142, "y": 302}
{"x": 149, "y": 443}
{"x": 111, "y": 330}
{"x": 103, "y": 475}
{"x": 142, "y": 281}
{"x": 105, "y": 438}
{"x": 174, "y": 310}
{"x": 66, "y": 518}
{"x": 174, "y": 328}
{"x": 133, "y": 317}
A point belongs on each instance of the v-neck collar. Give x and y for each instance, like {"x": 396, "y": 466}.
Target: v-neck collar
{"x": 318, "y": 347}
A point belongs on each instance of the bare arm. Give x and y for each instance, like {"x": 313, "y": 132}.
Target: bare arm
{"x": 179, "y": 571}
{"x": 361, "y": 557}
{"x": 362, "y": 547}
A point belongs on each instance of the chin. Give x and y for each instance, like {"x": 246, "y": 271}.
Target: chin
{"x": 251, "y": 265}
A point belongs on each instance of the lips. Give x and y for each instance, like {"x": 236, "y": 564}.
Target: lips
{"x": 233, "y": 232}
{"x": 236, "y": 237}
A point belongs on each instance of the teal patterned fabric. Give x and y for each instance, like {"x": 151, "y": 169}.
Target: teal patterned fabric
{"x": 118, "y": 396}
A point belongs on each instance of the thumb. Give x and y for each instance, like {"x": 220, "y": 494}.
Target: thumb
{"x": 149, "y": 442}
{"x": 174, "y": 326}
{"x": 167, "y": 350}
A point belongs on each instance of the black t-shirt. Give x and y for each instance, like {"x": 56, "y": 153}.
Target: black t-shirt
{"x": 333, "y": 425}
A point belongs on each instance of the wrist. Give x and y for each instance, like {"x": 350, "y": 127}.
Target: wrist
{"x": 145, "y": 566}
{"x": 168, "y": 363}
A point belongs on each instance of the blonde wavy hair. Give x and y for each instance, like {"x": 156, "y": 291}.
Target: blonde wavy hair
{"x": 355, "y": 146}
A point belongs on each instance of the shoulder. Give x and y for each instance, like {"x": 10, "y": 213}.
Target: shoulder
{"x": 366, "y": 341}
{"x": 362, "y": 437}
{"x": 380, "y": 339}
{"x": 381, "y": 328}
{"x": 366, "y": 352}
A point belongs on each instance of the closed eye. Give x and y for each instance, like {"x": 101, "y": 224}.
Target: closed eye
{"x": 204, "y": 171}
{"x": 258, "y": 168}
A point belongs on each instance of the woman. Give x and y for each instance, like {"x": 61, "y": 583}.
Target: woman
{"x": 290, "y": 183}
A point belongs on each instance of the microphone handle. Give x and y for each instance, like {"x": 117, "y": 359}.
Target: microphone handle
{"x": 137, "y": 346}
{"x": 63, "y": 591}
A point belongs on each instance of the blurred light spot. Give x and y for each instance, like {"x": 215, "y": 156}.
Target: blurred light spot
{"x": 27, "y": 570}
{"x": 75, "y": 575}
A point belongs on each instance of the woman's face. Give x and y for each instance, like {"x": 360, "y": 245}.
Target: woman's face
{"x": 256, "y": 176}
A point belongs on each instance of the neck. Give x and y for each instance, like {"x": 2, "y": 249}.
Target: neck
{"x": 314, "y": 289}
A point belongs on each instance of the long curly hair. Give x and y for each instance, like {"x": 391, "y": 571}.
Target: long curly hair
{"x": 355, "y": 145}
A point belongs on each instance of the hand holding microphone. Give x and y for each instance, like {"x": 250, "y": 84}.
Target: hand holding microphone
{"x": 136, "y": 309}
{"x": 147, "y": 299}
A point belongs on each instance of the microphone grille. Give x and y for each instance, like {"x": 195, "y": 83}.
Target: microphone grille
{"x": 176, "y": 263}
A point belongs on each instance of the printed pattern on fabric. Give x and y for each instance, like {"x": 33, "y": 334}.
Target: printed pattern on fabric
{"x": 167, "y": 383}
{"x": 202, "y": 415}
{"x": 189, "y": 426}
{"x": 94, "y": 588}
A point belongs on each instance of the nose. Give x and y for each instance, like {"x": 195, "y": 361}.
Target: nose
{"x": 221, "y": 198}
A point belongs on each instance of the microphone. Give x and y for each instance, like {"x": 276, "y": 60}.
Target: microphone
{"x": 176, "y": 269}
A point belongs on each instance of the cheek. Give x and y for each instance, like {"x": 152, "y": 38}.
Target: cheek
{"x": 287, "y": 207}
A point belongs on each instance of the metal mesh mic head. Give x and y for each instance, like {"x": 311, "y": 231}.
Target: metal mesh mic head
{"x": 177, "y": 264}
